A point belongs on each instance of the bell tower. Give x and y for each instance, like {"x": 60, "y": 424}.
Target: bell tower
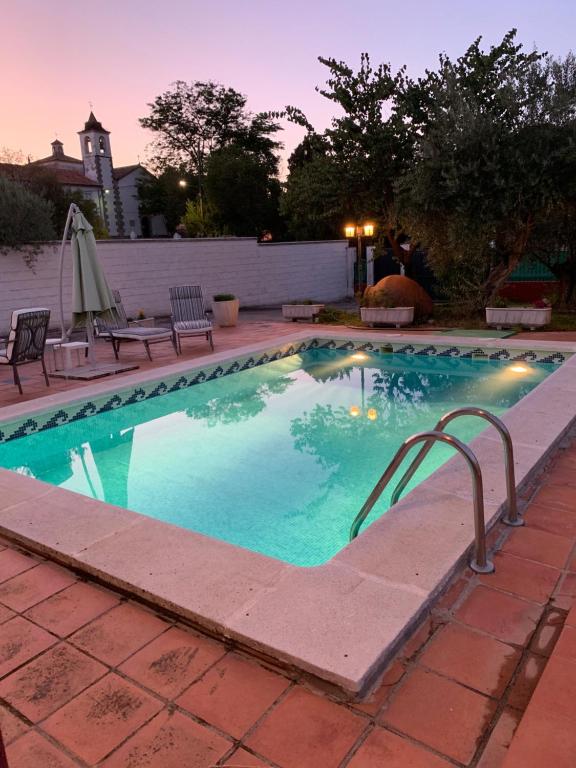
{"x": 97, "y": 159}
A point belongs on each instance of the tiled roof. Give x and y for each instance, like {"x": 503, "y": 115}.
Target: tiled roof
{"x": 56, "y": 158}
{"x": 124, "y": 170}
{"x": 93, "y": 125}
{"x": 73, "y": 178}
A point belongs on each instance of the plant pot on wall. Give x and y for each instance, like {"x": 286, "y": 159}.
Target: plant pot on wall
{"x": 528, "y": 317}
{"x": 301, "y": 311}
{"x": 225, "y": 308}
{"x": 397, "y": 316}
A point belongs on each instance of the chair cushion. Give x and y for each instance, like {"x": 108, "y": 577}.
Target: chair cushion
{"x": 144, "y": 334}
{"x": 3, "y": 357}
{"x": 193, "y": 325}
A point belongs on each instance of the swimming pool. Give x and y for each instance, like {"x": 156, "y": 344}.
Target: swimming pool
{"x": 276, "y": 458}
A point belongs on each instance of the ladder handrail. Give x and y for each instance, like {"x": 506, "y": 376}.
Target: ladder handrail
{"x": 480, "y": 562}
{"x": 511, "y": 517}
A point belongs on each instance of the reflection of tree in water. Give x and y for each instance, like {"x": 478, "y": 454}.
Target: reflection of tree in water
{"x": 239, "y": 405}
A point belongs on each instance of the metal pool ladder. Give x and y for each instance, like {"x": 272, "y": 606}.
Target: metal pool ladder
{"x": 480, "y": 562}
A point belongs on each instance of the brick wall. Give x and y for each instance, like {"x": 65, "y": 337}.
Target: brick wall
{"x": 143, "y": 270}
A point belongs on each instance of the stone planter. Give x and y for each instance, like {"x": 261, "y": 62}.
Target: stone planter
{"x": 226, "y": 312}
{"x": 397, "y": 316}
{"x": 301, "y": 311}
{"x": 146, "y": 322}
{"x": 528, "y": 317}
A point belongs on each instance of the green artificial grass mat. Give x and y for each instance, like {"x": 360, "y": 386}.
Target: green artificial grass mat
{"x": 486, "y": 334}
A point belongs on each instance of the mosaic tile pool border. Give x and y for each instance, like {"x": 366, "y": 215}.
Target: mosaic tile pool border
{"x": 154, "y": 388}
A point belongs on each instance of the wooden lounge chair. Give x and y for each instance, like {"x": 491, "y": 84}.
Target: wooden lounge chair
{"x": 117, "y": 330}
{"x": 26, "y": 341}
{"x": 188, "y": 314}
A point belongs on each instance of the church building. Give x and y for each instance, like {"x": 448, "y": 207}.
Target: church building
{"x": 113, "y": 190}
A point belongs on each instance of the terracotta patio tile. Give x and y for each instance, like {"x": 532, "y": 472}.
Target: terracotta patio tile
{"x": 475, "y": 660}
{"x": 244, "y": 759}
{"x": 172, "y": 661}
{"x": 307, "y": 731}
{"x": 505, "y": 617}
{"x": 572, "y": 563}
{"x": 440, "y": 713}
{"x": 375, "y": 701}
{"x": 524, "y": 578}
{"x": 11, "y": 726}
{"x": 420, "y": 637}
{"x": 541, "y": 546}
{"x": 35, "y": 751}
{"x": 48, "y": 682}
{"x": 566, "y": 645}
{"x": 560, "y": 496}
{"x": 555, "y": 691}
{"x": 30, "y": 587}
{"x": 571, "y": 618}
{"x": 446, "y": 602}
{"x": 170, "y": 741}
{"x": 559, "y": 521}
{"x": 548, "y": 632}
{"x": 528, "y": 676}
{"x": 233, "y": 694}
{"x": 560, "y": 475}
{"x": 20, "y": 640}
{"x": 565, "y": 593}
{"x": 13, "y": 562}
{"x": 5, "y": 614}
{"x": 542, "y": 739}
{"x": 497, "y": 747}
{"x": 119, "y": 633}
{"x": 100, "y": 718}
{"x": 383, "y": 748}
{"x": 70, "y": 609}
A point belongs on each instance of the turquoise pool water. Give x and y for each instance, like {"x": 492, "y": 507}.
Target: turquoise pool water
{"x": 278, "y": 458}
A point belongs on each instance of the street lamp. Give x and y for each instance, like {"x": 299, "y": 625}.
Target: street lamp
{"x": 356, "y": 234}
{"x": 183, "y": 183}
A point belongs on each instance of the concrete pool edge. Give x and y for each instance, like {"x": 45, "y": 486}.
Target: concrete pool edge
{"x": 339, "y": 621}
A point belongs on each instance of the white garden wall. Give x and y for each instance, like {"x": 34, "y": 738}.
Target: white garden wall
{"x": 143, "y": 270}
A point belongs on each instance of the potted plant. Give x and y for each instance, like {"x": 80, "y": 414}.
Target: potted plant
{"x": 502, "y": 314}
{"x": 142, "y": 321}
{"x": 302, "y": 310}
{"x": 225, "y": 308}
{"x": 387, "y": 315}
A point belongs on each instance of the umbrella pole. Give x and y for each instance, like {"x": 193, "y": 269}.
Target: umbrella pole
{"x": 90, "y": 339}
{"x": 64, "y": 334}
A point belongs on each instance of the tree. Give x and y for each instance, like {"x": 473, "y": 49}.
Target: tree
{"x": 242, "y": 192}
{"x": 358, "y": 158}
{"x": 166, "y": 195}
{"x": 494, "y": 134}
{"x": 192, "y": 120}
{"x": 25, "y": 218}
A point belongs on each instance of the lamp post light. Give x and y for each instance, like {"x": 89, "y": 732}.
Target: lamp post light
{"x": 183, "y": 183}
{"x": 358, "y": 235}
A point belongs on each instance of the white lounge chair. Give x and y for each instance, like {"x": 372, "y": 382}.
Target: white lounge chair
{"x": 188, "y": 314}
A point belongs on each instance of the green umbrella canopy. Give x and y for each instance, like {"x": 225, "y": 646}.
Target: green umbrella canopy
{"x": 90, "y": 292}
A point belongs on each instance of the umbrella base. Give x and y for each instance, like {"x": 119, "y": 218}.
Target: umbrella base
{"x": 87, "y": 372}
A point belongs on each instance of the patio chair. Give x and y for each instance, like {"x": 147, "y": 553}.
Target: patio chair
{"x": 188, "y": 314}
{"x": 26, "y": 341}
{"x": 117, "y": 329}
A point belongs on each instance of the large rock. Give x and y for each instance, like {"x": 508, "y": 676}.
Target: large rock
{"x": 399, "y": 291}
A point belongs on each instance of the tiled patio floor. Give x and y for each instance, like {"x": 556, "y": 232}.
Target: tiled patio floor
{"x": 91, "y": 678}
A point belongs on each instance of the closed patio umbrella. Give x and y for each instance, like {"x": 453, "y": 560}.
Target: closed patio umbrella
{"x": 90, "y": 292}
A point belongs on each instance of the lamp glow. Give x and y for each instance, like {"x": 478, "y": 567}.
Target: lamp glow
{"x": 354, "y": 411}
{"x": 182, "y": 183}
{"x": 372, "y": 414}
{"x": 359, "y": 356}
{"x": 368, "y": 230}
{"x": 518, "y": 369}
{"x": 350, "y": 230}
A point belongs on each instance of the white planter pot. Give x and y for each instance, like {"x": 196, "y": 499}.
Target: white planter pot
{"x": 146, "y": 322}
{"x": 301, "y": 311}
{"x": 226, "y": 312}
{"x": 528, "y": 317}
{"x": 397, "y": 316}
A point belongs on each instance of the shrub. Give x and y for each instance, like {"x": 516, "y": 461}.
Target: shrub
{"x": 25, "y": 218}
{"x": 223, "y": 297}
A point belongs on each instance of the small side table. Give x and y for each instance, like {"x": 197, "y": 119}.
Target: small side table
{"x": 70, "y": 348}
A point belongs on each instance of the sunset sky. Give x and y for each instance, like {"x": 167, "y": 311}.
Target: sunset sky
{"x": 58, "y": 56}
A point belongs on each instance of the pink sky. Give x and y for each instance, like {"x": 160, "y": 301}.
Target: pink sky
{"x": 58, "y": 56}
